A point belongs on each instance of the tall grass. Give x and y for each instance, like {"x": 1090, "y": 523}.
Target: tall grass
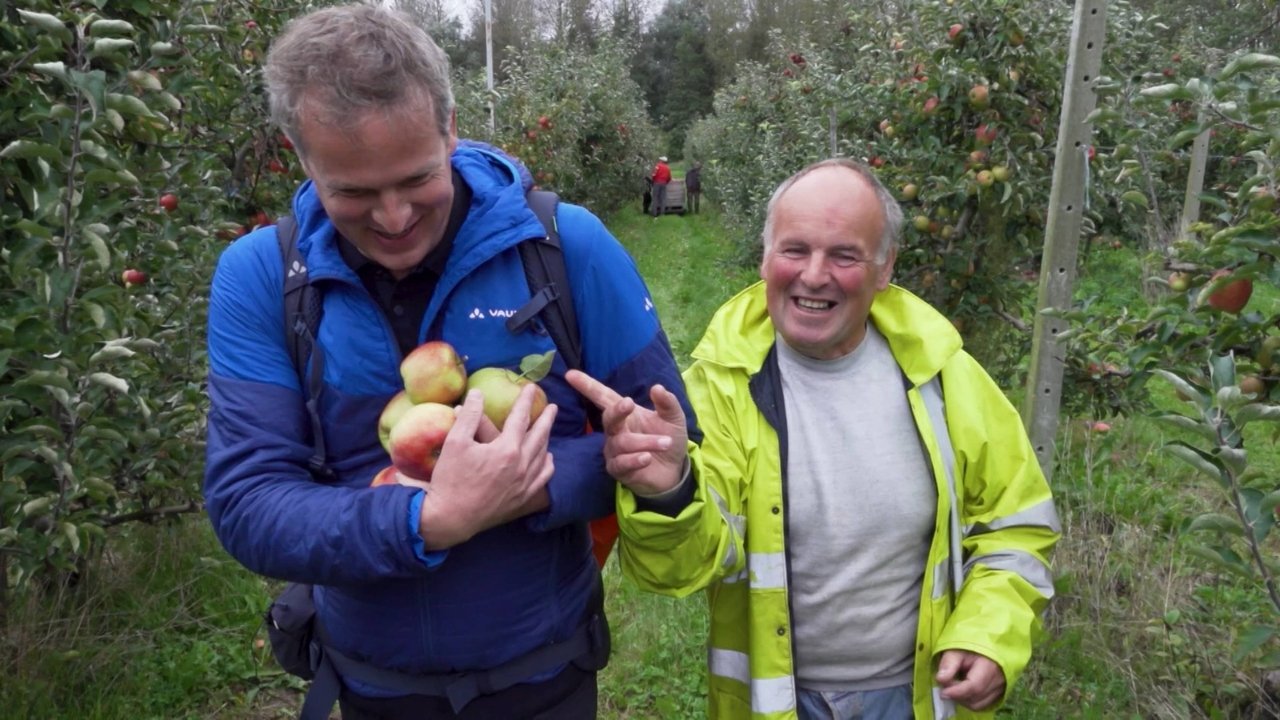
{"x": 168, "y": 626}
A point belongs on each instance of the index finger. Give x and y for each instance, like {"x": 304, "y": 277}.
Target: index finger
{"x": 600, "y": 395}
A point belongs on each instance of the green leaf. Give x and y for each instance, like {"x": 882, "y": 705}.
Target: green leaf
{"x": 106, "y": 46}
{"x": 99, "y": 246}
{"x": 106, "y": 28}
{"x": 111, "y": 352}
{"x": 1198, "y": 427}
{"x": 1257, "y": 411}
{"x": 29, "y": 149}
{"x": 127, "y": 105}
{"x": 1245, "y": 63}
{"x": 47, "y": 23}
{"x": 110, "y": 381}
{"x": 1252, "y": 639}
{"x": 144, "y": 80}
{"x": 1197, "y": 459}
{"x": 93, "y": 85}
{"x": 1216, "y": 522}
{"x": 1135, "y": 197}
{"x": 1168, "y": 91}
{"x": 535, "y": 367}
{"x": 51, "y": 69}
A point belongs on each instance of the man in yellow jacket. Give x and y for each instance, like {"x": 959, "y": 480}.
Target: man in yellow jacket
{"x": 865, "y": 510}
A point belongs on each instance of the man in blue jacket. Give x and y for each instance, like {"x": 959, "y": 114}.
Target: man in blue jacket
{"x": 457, "y": 602}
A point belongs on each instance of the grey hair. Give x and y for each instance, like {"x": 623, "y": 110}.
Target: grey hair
{"x": 343, "y": 62}
{"x": 888, "y": 204}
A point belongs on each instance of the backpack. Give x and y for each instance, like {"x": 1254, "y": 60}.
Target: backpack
{"x": 544, "y": 269}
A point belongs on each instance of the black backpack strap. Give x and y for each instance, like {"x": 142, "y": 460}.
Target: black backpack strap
{"x": 302, "y": 310}
{"x": 544, "y": 268}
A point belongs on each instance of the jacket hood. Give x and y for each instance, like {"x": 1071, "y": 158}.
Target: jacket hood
{"x": 740, "y": 334}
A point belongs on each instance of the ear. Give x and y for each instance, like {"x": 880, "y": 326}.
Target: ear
{"x": 886, "y": 270}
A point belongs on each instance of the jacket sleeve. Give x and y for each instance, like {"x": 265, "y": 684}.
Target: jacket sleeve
{"x": 1008, "y": 521}
{"x": 705, "y": 542}
{"x": 623, "y": 346}
{"x": 265, "y": 507}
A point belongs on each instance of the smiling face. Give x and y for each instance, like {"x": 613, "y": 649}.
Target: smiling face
{"x": 820, "y": 268}
{"x": 385, "y": 182}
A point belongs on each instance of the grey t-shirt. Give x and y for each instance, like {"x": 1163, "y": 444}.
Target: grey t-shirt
{"x": 861, "y": 506}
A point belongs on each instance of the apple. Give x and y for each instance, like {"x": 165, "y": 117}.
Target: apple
{"x": 250, "y": 25}
{"x": 132, "y": 277}
{"x": 1099, "y": 427}
{"x": 531, "y": 135}
{"x": 1179, "y": 281}
{"x": 978, "y": 157}
{"x": 920, "y": 222}
{"x": 877, "y": 161}
{"x": 277, "y": 167}
{"x": 985, "y": 134}
{"x": 931, "y": 105}
{"x": 979, "y": 96}
{"x": 954, "y": 32}
{"x": 1267, "y": 353}
{"x": 385, "y": 476}
{"x": 1252, "y": 385}
{"x": 391, "y": 414}
{"x": 260, "y": 219}
{"x": 797, "y": 58}
{"x": 885, "y": 124}
{"x": 985, "y": 178}
{"x": 417, "y": 438}
{"x": 1015, "y": 38}
{"x": 1168, "y": 72}
{"x": 433, "y": 372}
{"x": 500, "y": 388}
{"x": 910, "y": 191}
{"x": 544, "y": 122}
{"x": 1000, "y": 173}
{"x": 285, "y": 142}
{"x": 169, "y": 202}
{"x": 1233, "y": 296}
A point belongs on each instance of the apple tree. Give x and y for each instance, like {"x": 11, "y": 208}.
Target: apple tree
{"x": 574, "y": 117}
{"x": 954, "y": 106}
{"x": 136, "y": 148}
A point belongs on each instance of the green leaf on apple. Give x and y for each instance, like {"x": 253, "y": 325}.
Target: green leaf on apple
{"x": 536, "y": 366}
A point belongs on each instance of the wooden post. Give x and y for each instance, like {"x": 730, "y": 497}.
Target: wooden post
{"x": 1062, "y": 239}
{"x": 1195, "y": 182}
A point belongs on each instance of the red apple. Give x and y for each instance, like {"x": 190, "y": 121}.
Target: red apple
{"x": 978, "y": 157}
{"x": 391, "y": 414}
{"x": 416, "y": 440}
{"x": 285, "y": 142}
{"x": 260, "y": 219}
{"x": 544, "y": 122}
{"x": 277, "y": 167}
{"x": 1233, "y": 296}
{"x": 133, "y": 277}
{"x": 985, "y": 178}
{"x": 385, "y": 476}
{"x": 169, "y": 202}
{"x": 250, "y": 24}
{"x": 954, "y": 32}
{"x": 500, "y": 388}
{"x": 931, "y": 105}
{"x": 985, "y": 134}
{"x": 876, "y": 161}
{"x": 797, "y": 58}
{"x": 433, "y": 372}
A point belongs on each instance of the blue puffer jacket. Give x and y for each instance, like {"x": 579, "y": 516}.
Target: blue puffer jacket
{"x": 505, "y": 591}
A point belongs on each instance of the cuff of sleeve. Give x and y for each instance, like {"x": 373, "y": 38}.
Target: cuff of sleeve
{"x": 430, "y": 559}
{"x": 670, "y": 502}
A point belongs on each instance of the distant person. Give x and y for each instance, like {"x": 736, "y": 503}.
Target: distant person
{"x": 480, "y": 598}
{"x": 661, "y": 178}
{"x": 864, "y": 509}
{"x": 693, "y": 187}
{"x": 648, "y": 194}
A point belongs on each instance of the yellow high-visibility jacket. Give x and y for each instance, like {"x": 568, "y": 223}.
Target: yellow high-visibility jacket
{"x": 987, "y": 579}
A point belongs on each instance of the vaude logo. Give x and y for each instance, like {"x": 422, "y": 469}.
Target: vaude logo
{"x": 478, "y": 314}
{"x": 648, "y": 304}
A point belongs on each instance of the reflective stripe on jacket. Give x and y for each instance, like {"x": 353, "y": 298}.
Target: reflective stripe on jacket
{"x": 994, "y": 526}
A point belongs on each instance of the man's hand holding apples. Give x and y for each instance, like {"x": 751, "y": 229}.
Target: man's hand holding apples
{"x": 644, "y": 449}
{"x": 480, "y": 483}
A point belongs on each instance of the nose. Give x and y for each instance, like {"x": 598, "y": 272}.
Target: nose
{"x": 392, "y": 213}
{"x": 814, "y": 272}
